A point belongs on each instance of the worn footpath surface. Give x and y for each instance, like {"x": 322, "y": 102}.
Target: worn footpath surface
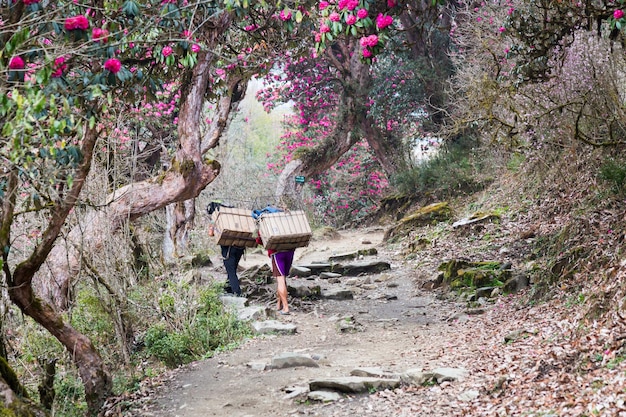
{"x": 516, "y": 359}
{"x": 396, "y": 326}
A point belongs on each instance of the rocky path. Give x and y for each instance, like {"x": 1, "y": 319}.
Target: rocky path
{"x": 389, "y": 327}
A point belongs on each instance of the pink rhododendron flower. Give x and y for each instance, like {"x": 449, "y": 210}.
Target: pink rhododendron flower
{"x": 324, "y": 28}
{"x": 167, "y": 51}
{"x": 342, "y": 4}
{"x": 285, "y": 15}
{"x": 17, "y": 63}
{"x": 361, "y": 14}
{"x": 186, "y": 34}
{"x": 392, "y": 3}
{"x": 371, "y": 40}
{"x": 195, "y": 48}
{"x": 367, "y": 53}
{"x": 98, "y": 34}
{"x": 501, "y": 29}
{"x": 618, "y": 14}
{"x": 318, "y": 37}
{"x": 114, "y": 65}
{"x": 27, "y": 2}
{"x": 323, "y": 5}
{"x": 350, "y": 19}
{"x": 334, "y": 17}
{"x": 352, "y": 4}
{"x": 76, "y": 22}
{"x": 382, "y": 21}
{"x": 250, "y": 28}
{"x": 59, "y": 67}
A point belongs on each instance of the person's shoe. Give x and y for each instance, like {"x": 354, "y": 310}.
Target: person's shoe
{"x": 284, "y": 313}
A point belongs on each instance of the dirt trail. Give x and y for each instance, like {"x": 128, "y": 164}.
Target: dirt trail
{"x": 401, "y": 327}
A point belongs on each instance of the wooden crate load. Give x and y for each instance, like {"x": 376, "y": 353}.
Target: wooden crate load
{"x": 284, "y": 230}
{"x": 234, "y": 227}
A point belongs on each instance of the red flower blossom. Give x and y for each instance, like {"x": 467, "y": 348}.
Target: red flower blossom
{"x": 167, "y": 51}
{"x": 59, "y": 67}
{"x": 382, "y": 21}
{"x": 113, "y": 65}
{"x": 16, "y": 63}
{"x": 76, "y": 22}
{"x": 98, "y": 34}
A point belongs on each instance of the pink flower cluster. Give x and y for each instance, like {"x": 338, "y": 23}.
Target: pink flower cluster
{"x": 334, "y": 17}
{"x": 618, "y": 14}
{"x": 371, "y": 40}
{"x": 79, "y": 22}
{"x": 285, "y": 15}
{"x": 382, "y": 21}
{"x": 99, "y": 34}
{"x": 350, "y": 19}
{"x": 167, "y": 51}
{"x": 27, "y": 2}
{"x": 361, "y": 14}
{"x": 347, "y": 4}
{"x": 17, "y": 63}
{"x": 323, "y": 5}
{"x": 114, "y": 65}
{"x": 59, "y": 67}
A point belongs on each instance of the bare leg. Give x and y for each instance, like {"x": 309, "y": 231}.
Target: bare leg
{"x": 281, "y": 292}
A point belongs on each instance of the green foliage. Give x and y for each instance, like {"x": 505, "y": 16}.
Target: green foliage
{"x": 208, "y": 329}
{"x": 70, "y": 396}
{"x": 614, "y": 173}
{"x": 454, "y": 170}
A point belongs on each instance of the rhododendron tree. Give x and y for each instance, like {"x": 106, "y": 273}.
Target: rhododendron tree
{"x": 66, "y": 69}
{"x": 342, "y": 98}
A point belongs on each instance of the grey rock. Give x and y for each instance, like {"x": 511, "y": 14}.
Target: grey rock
{"x": 300, "y": 271}
{"x": 324, "y": 396}
{"x": 373, "y": 372}
{"x": 293, "y": 360}
{"x": 273, "y": 326}
{"x": 374, "y": 267}
{"x": 317, "y": 268}
{"x": 303, "y": 289}
{"x": 329, "y": 275}
{"x": 293, "y": 392}
{"x": 414, "y": 376}
{"x": 337, "y": 294}
{"x": 252, "y": 313}
{"x": 354, "y": 384}
{"x": 234, "y": 303}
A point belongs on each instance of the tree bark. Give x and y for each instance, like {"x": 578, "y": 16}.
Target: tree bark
{"x": 91, "y": 368}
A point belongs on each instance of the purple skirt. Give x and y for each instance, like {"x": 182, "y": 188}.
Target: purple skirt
{"x": 281, "y": 262}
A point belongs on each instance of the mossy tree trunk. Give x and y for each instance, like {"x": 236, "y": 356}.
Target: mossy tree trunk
{"x": 90, "y": 366}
